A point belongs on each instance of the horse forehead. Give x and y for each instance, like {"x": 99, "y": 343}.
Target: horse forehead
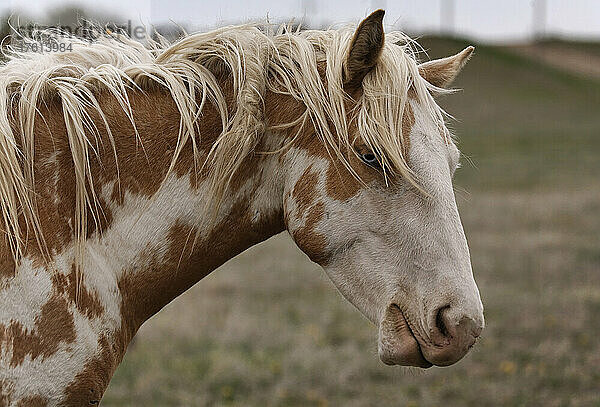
{"x": 426, "y": 132}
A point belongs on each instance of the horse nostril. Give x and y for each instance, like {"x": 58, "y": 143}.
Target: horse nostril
{"x": 453, "y": 331}
{"x": 440, "y": 322}
{"x": 452, "y": 324}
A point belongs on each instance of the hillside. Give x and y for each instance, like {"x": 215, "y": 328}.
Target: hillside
{"x": 524, "y": 124}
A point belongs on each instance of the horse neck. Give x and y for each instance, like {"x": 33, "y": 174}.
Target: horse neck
{"x": 157, "y": 231}
{"x": 179, "y": 236}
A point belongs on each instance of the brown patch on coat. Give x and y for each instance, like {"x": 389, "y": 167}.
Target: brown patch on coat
{"x": 6, "y": 390}
{"x": 340, "y": 183}
{"x": 305, "y": 190}
{"x": 53, "y": 326}
{"x": 86, "y": 301}
{"x": 308, "y": 239}
{"x": 33, "y": 401}
{"x": 7, "y": 262}
{"x": 280, "y": 110}
{"x": 88, "y": 386}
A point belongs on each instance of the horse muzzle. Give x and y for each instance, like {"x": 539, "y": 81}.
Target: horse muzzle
{"x": 448, "y": 341}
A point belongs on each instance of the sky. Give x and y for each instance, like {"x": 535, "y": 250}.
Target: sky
{"x": 483, "y": 20}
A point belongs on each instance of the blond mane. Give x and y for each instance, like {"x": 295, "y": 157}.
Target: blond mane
{"x": 257, "y": 60}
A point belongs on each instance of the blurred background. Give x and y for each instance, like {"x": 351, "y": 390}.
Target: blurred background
{"x": 268, "y": 328}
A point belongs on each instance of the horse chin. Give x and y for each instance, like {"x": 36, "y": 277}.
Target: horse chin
{"x": 397, "y": 343}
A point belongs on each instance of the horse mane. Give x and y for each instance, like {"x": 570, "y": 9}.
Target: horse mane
{"x": 257, "y": 60}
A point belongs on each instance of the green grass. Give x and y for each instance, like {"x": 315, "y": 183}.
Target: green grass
{"x": 268, "y": 328}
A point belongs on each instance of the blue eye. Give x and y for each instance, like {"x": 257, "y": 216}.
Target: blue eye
{"x": 371, "y": 160}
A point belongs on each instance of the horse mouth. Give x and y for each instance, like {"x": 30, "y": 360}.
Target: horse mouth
{"x": 398, "y": 344}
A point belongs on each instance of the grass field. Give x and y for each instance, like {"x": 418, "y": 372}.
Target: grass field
{"x": 268, "y": 328}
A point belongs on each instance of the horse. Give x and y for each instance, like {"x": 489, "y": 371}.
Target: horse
{"x": 129, "y": 172}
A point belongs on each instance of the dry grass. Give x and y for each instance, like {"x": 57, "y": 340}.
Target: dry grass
{"x": 268, "y": 328}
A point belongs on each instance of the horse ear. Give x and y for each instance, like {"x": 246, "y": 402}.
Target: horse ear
{"x": 442, "y": 72}
{"x": 364, "y": 49}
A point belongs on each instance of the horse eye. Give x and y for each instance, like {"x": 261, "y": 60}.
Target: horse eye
{"x": 371, "y": 159}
